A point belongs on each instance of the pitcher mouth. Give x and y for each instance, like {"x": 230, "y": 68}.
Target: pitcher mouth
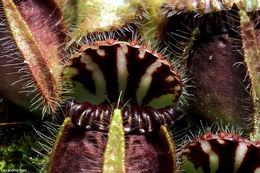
{"x": 104, "y": 71}
{"x": 136, "y": 120}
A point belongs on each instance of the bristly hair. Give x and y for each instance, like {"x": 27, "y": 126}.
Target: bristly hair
{"x": 47, "y": 144}
{"x": 40, "y": 92}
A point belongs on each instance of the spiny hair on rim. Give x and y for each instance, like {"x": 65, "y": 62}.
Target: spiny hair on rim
{"x": 49, "y": 140}
{"x": 179, "y": 61}
{"x": 71, "y": 48}
{"x": 135, "y": 37}
{"x": 212, "y": 6}
{"x": 20, "y": 67}
{"x": 11, "y": 52}
{"x": 116, "y": 34}
{"x": 215, "y": 128}
{"x": 237, "y": 46}
{"x": 185, "y": 136}
{"x": 188, "y": 134}
{"x": 49, "y": 137}
{"x": 47, "y": 143}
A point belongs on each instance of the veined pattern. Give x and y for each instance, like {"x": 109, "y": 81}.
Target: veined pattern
{"x": 222, "y": 153}
{"x": 101, "y": 71}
